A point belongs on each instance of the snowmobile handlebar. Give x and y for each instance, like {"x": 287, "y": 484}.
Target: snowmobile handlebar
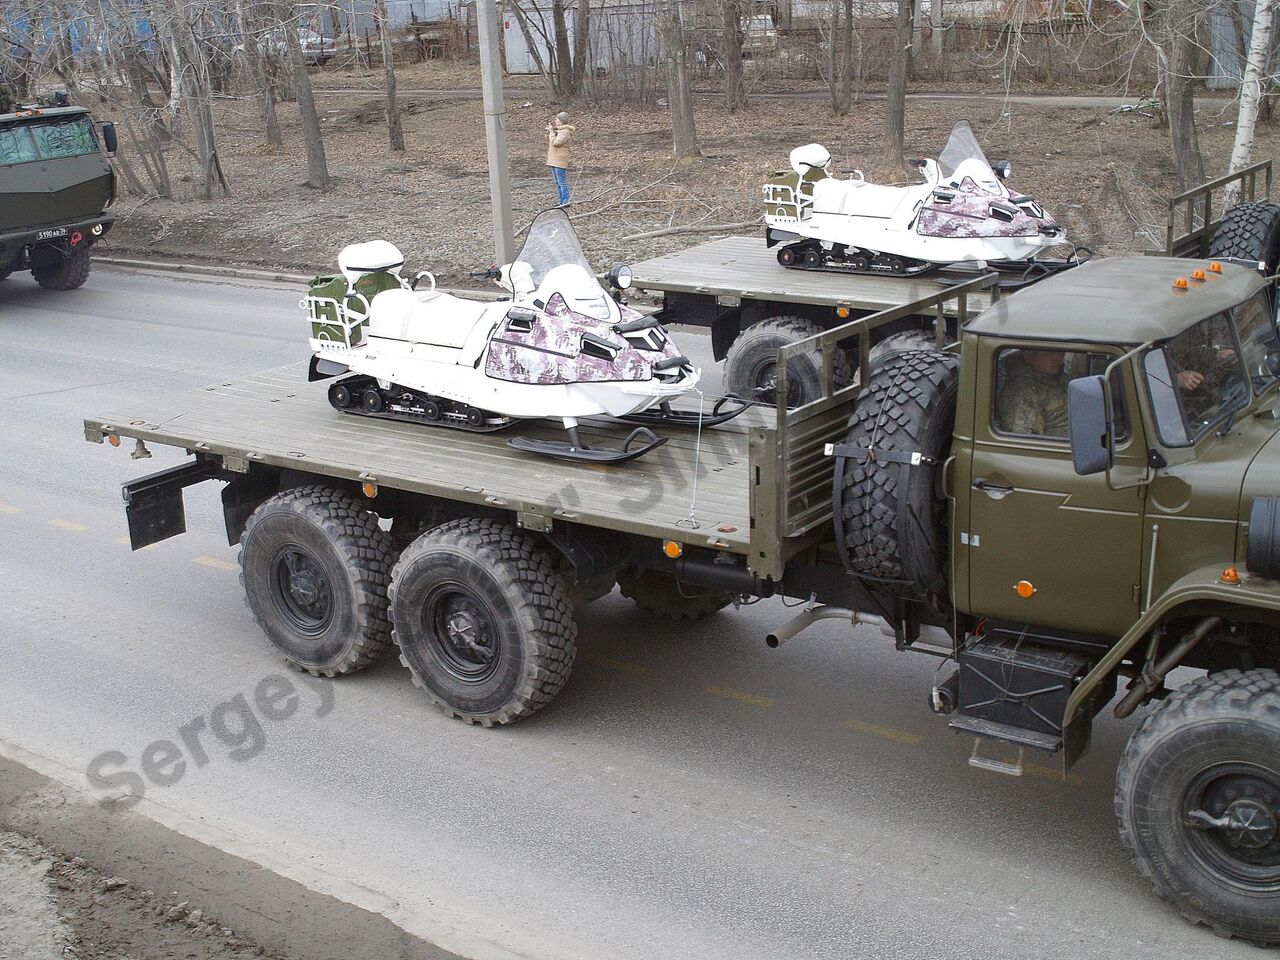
{"x": 488, "y": 273}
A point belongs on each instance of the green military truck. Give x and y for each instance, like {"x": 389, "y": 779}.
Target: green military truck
{"x": 55, "y": 187}
{"x": 1064, "y": 501}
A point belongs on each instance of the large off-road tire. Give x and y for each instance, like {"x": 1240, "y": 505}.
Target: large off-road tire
{"x": 1212, "y": 748}
{"x": 1249, "y": 231}
{"x": 663, "y": 596}
{"x": 315, "y": 566}
{"x": 751, "y": 367}
{"x": 902, "y": 342}
{"x": 483, "y": 621}
{"x": 66, "y": 274}
{"x": 892, "y": 516}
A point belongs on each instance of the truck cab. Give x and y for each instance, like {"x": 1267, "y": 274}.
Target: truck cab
{"x": 56, "y": 185}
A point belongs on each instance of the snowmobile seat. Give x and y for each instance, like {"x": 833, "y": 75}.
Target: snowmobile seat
{"x": 856, "y": 198}
{"x": 429, "y": 317}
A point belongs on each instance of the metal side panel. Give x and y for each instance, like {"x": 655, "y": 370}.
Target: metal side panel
{"x": 279, "y": 419}
{"x": 743, "y": 267}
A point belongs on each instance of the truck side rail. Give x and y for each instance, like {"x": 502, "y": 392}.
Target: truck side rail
{"x": 803, "y": 470}
{"x": 1195, "y": 214}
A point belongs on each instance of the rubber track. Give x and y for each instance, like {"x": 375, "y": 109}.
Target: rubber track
{"x": 526, "y": 574}
{"x": 1232, "y": 693}
{"x": 891, "y": 413}
{"x": 365, "y": 549}
{"x": 663, "y": 596}
{"x": 66, "y": 275}
{"x": 1245, "y": 231}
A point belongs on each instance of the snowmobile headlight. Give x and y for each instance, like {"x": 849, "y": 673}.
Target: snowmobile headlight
{"x": 619, "y": 276}
{"x": 1003, "y": 169}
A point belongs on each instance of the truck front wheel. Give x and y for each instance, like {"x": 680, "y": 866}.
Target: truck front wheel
{"x": 1198, "y": 802}
{"x": 315, "y": 566}
{"x": 483, "y": 621}
{"x": 65, "y": 274}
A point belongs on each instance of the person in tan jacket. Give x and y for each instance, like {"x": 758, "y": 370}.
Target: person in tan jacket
{"x": 559, "y": 133}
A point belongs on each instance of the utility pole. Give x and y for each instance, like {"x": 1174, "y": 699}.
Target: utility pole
{"x": 495, "y": 131}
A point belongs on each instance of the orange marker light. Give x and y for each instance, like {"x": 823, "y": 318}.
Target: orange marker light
{"x": 842, "y": 313}
{"x": 369, "y": 488}
{"x": 672, "y": 549}
{"x": 1024, "y": 589}
{"x": 1180, "y": 283}
{"x": 1215, "y": 266}
{"x": 1197, "y": 274}
{"x": 1230, "y": 575}
{"x": 113, "y": 440}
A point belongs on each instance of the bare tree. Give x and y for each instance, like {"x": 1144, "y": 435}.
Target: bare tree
{"x": 840, "y": 59}
{"x": 395, "y": 132}
{"x": 260, "y": 70}
{"x": 731, "y": 46}
{"x": 684, "y": 134}
{"x": 1251, "y": 84}
{"x": 895, "y": 111}
{"x": 1171, "y": 27}
{"x": 560, "y": 52}
{"x": 317, "y": 165}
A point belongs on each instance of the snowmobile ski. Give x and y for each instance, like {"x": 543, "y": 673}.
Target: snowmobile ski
{"x": 644, "y": 439}
{"x": 665, "y": 415}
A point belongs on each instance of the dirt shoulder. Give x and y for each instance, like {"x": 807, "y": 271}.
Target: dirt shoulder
{"x": 82, "y": 881}
{"x": 1105, "y": 176}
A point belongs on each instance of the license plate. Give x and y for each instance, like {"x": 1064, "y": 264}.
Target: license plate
{"x": 50, "y": 234}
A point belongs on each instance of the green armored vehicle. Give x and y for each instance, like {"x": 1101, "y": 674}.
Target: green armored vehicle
{"x": 1064, "y": 496}
{"x": 55, "y": 187}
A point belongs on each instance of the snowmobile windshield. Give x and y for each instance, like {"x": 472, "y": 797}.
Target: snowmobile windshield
{"x": 556, "y": 264}
{"x": 962, "y": 146}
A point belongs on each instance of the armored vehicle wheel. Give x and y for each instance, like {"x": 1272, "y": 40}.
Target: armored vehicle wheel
{"x": 751, "y": 368}
{"x": 315, "y": 566}
{"x": 1198, "y": 802}
{"x": 339, "y": 395}
{"x": 661, "y": 595}
{"x": 891, "y": 519}
{"x": 66, "y": 274}
{"x": 371, "y": 400}
{"x": 1250, "y": 231}
{"x": 482, "y": 620}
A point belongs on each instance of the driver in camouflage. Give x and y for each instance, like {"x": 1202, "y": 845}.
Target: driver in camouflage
{"x": 1033, "y": 400}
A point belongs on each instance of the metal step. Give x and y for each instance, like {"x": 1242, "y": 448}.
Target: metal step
{"x": 1047, "y": 742}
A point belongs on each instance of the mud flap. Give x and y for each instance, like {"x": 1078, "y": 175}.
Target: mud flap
{"x": 153, "y": 504}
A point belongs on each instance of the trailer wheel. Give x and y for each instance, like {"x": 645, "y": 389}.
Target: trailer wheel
{"x": 891, "y": 516}
{"x": 482, "y": 620}
{"x": 662, "y": 595}
{"x": 751, "y": 367}
{"x": 1249, "y": 231}
{"x": 65, "y": 274}
{"x": 1198, "y": 802}
{"x": 315, "y": 565}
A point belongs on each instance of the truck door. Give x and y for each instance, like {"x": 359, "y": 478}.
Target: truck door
{"x": 1043, "y": 545}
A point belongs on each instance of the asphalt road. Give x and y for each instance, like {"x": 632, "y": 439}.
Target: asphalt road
{"x": 690, "y": 794}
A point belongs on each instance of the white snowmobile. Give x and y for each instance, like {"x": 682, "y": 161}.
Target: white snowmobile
{"x": 562, "y": 347}
{"x": 962, "y": 212}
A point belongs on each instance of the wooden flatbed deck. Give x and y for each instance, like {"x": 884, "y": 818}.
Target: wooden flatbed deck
{"x": 744, "y": 267}
{"x": 278, "y": 418}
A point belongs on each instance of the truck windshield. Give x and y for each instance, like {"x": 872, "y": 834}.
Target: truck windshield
{"x": 54, "y": 139}
{"x": 1212, "y": 369}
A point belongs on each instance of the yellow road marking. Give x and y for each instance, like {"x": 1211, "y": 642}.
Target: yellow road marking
{"x": 5, "y": 508}
{"x": 129, "y": 543}
{"x": 1049, "y": 773}
{"x": 613, "y": 664}
{"x": 888, "y": 733}
{"x": 216, "y": 564}
{"x": 69, "y": 525}
{"x": 739, "y": 695}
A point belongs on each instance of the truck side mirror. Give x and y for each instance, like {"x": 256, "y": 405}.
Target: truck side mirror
{"x": 109, "y": 140}
{"x": 1089, "y": 426}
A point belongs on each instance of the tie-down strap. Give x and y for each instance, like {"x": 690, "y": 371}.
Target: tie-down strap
{"x": 910, "y": 458}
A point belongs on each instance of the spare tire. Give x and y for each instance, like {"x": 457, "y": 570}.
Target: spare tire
{"x": 1249, "y": 231}
{"x": 1262, "y": 556}
{"x": 751, "y": 367}
{"x": 892, "y": 517}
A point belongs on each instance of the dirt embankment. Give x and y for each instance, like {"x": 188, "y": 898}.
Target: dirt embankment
{"x": 1103, "y": 175}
